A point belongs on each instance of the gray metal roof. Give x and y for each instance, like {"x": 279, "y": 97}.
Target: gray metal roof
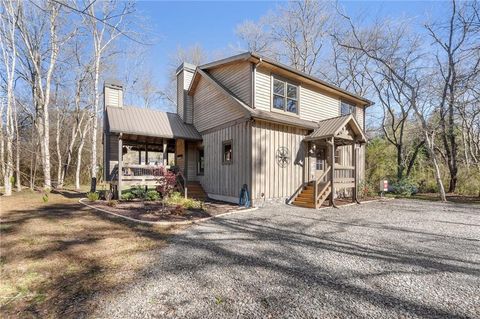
{"x": 148, "y": 122}
{"x": 331, "y": 127}
{"x": 284, "y": 119}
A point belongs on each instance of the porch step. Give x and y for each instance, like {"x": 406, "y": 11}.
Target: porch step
{"x": 305, "y": 198}
{"x": 196, "y": 191}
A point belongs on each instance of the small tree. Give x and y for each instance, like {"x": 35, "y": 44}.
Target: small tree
{"x": 167, "y": 181}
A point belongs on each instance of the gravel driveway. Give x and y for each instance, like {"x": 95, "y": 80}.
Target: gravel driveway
{"x": 397, "y": 258}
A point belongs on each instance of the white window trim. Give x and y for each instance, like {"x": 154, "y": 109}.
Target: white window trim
{"x": 274, "y": 77}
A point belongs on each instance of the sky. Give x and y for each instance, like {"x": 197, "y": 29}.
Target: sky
{"x": 212, "y": 24}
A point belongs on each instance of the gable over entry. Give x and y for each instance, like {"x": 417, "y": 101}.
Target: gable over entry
{"x": 327, "y": 175}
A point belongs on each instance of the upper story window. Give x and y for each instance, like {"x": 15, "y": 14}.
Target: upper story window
{"x": 285, "y": 96}
{"x": 347, "y": 108}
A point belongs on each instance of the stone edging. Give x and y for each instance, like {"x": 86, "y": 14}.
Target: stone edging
{"x": 164, "y": 223}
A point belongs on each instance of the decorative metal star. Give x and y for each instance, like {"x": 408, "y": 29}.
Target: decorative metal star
{"x": 283, "y": 156}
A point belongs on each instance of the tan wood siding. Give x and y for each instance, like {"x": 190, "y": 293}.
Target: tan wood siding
{"x": 191, "y": 167}
{"x": 111, "y": 153}
{"x": 237, "y": 78}
{"x": 188, "y": 99}
{"x": 212, "y": 108}
{"x": 262, "y": 89}
{"x": 113, "y": 97}
{"x": 268, "y": 176}
{"x": 227, "y": 179}
{"x": 316, "y": 106}
{"x": 180, "y": 94}
{"x": 360, "y": 116}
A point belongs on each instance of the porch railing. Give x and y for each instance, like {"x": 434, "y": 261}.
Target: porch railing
{"x": 318, "y": 188}
{"x": 136, "y": 173}
{"x": 344, "y": 177}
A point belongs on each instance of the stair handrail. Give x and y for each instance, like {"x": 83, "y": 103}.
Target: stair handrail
{"x": 299, "y": 189}
{"x": 316, "y": 193}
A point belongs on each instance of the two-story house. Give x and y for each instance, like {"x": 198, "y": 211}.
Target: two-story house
{"x": 243, "y": 120}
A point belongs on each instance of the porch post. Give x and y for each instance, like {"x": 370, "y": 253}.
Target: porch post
{"x": 332, "y": 172}
{"x": 354, "y": 158}
{"x": 146, "y": 153}
{"x": 120, "y": 166}
{"x": 165, "y": 159}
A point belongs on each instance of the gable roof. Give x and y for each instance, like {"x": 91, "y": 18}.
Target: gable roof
{"x": 148, "y": 122}
{"x": 255, "y": 57}
{"x": 332, "y": 127}
{"x": 254, "y": 113}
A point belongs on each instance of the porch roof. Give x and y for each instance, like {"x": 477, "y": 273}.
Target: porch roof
{"x": 148, "y": 122}
{"x": 333, "y": 128}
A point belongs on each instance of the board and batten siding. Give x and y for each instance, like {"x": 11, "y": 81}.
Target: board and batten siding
{"x": 226, "y": 180}
{"x": 111, "y": 153}
{"x": 212, "y": 108}
{"x": 268, "y": 177}
{"x": 237, "y": 78}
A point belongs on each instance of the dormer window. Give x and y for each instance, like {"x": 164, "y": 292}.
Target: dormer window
{"x": 347, "y": 108}
{"x": 285, "y": 96}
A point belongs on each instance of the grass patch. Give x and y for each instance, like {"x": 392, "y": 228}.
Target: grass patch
{"x": 55, "y": 256}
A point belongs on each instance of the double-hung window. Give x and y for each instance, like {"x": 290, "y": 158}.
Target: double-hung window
{"x": 347, "y": 108}
{"x": 285, "y": 96}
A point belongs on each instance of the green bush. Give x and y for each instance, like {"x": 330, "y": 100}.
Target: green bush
{"x": 93, "y": 196}
{"x": 152, "y": 195}
{"x": 128, "y": 196}
{"x": 404, "y": 188}
{"x": 177, "y": 199}
{"x": 138, "y": 192}
{"x": 366, "y": 189}
{"x": 469, "y": 182}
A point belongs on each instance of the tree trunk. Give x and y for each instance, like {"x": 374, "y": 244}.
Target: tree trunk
{"x": 95, "y": 125}
{"x": 83, "y": 134}
{"x": 17, "y": 155}
{"x": 59, "y": 153}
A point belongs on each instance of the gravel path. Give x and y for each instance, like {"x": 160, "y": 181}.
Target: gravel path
{"x": 391, "y": 259}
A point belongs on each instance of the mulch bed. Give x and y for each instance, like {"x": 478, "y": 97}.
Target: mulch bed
{"x": 156, "y": 211}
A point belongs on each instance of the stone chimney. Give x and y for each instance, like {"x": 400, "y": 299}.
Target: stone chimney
{"x": 184, "y": 102}
{"x": 113, "y": 93}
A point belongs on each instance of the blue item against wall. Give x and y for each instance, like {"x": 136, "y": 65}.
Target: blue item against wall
{"x": 244, "y": 197}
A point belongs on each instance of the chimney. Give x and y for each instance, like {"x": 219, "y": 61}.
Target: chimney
{"x": 113, "y": 93}
{"x": 184, "y": 102}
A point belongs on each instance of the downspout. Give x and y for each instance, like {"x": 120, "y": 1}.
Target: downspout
{"x": 250, "y": 125}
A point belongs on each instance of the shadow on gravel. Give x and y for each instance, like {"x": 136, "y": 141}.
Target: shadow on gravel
{"x": 292, "y": 265}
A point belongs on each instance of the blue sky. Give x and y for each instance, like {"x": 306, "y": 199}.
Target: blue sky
{"x": 212, "y": 24}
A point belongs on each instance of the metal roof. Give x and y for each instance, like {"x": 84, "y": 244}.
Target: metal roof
{"x": 148, "y": 122}
{"x": 331, "y": 127}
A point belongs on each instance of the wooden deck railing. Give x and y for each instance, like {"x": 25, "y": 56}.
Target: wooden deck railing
{"x": 317, "y": 191}
{"x": 344, "y": 177}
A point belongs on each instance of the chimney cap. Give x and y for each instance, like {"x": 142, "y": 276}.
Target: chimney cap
{"x": 186, "y": 66}
{"x": 114, "y": 84}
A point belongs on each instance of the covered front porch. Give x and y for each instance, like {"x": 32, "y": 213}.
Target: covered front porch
{"x": 140, "y": 142}
{"x": 332, "y": 165}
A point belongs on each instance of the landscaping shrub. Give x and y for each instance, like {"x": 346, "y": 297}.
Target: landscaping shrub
{"x": 366, "y": 189}
{"x": 404, "y": 188}
{"x": 177, "y": 199}
{"x": 128, "y": 196}
{"x": 152, "y": 195}
{"x": 93, "y": 196}
{"x": 167, "y": 181}
{"x": 112, "y": 203}
{"x": 138, "y": 192}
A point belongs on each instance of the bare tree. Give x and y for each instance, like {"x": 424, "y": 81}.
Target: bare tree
{"x": 294, "y": 34}
{"x": 105, "y": 21}
{"x": 39, "y": 57}
{"x": 9, "y": 18}
{"x": 388, "y": 45}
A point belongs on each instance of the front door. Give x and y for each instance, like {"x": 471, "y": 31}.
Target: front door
{"x": 320, "y": 162}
